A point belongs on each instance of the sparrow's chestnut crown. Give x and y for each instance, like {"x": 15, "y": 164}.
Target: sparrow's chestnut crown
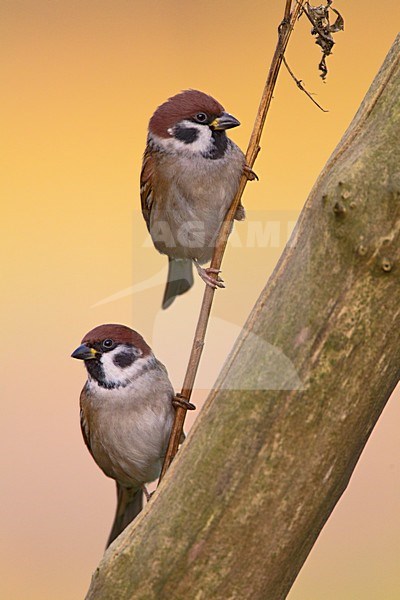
{"x": 190, "y": 104}
{"x": 105, "y": 338}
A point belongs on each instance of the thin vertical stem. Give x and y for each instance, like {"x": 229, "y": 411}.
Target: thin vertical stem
{"x": 284, "y": 31}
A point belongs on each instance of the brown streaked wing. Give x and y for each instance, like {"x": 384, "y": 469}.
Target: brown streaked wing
{"x": 146, "y": 186}
{"x": 85, "y": 425}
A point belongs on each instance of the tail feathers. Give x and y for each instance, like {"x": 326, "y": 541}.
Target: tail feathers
{"x": 129, "y": 505}
{"x": 180, "y": 279}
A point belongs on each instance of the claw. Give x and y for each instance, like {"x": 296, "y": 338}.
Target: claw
{"x": 179, "y": 400}
{"x": 211, "y": 270}
{"x": 250, "y": 174}
{"x": 146, "y": 492}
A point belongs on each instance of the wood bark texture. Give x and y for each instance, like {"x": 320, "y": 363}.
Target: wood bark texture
{"x": 276, "y": 443}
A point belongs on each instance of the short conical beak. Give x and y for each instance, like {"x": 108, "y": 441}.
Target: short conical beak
{"x": 83, "y": 352}
{"x": 224, "y": 121}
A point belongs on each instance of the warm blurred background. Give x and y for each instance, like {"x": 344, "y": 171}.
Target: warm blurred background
{"x": 79, "y": 81}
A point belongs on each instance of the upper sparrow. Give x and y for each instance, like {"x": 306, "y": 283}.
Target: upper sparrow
{"x": 190, "y": 174}
{"x": 126, "y": 413}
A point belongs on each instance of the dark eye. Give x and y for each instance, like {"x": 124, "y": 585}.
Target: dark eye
{"x": 201, "y": 117}
{"x": 108, "y": 344}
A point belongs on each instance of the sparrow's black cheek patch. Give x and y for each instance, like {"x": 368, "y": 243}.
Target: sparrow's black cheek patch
{"x": 124, "y": 359}
{"x": 187, "y": 135}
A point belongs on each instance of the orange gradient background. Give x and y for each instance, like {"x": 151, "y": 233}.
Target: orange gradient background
{"x": 80, "y": 80}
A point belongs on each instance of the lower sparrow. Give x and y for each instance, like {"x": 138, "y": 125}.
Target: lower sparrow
{"x": 126, "y": 413}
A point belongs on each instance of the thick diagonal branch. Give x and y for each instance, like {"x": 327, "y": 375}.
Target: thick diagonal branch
{"x": 276, "y": 443}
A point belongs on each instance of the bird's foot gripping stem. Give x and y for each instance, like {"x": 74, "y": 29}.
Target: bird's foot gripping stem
{"x": 206, "y": 275}
{"x": 179, "y": 401}
{"x": 250, "y": 174}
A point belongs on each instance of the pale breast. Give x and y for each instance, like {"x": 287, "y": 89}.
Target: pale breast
{"x": 190, "y": 205}
{"x": 129, "y": 432}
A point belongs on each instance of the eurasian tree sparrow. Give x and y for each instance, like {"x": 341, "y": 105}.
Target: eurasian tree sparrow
{"x": 126, "y": 413}
{"x": 190, "y": 174}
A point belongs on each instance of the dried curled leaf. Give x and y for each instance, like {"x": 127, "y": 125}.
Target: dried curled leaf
{"x": 323, "y": 29}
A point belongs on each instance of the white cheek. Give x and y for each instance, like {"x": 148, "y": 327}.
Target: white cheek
{"x": 202, "y": 145}
{"x": 115, "y": 374}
